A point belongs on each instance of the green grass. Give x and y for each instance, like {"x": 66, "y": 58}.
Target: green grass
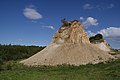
{"x": 14, "y": 71}
{"x": 17, "y": 52}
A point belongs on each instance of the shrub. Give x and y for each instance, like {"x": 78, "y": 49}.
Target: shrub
{"x": 65, "y": 23}
{"x": 96, "y": 38}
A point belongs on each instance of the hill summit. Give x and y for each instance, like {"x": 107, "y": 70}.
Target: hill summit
{"x": 69, "y": 45}
{"x": 70, "y": 32}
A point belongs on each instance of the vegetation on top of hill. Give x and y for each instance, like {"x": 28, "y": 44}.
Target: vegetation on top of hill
{"x": 96, "y": 38}
{"x": 65, "y": 23}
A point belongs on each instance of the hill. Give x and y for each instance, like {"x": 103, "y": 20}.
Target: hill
{"x": 69, "y": 45}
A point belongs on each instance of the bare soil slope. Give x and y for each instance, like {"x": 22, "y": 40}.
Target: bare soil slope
{"x": 70, "y": 45}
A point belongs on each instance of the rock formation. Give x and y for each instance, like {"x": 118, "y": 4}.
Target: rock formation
{"x": 71, "y": 33}
{"x": 70, "y": 45}
{"x": 103, "y": 46}
{"x": 100, "y": 42}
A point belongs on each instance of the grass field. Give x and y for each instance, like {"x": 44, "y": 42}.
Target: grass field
{"x": 10, "y": 69}
{"x": 14, "y": 71}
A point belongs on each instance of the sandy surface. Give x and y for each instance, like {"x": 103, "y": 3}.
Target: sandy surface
{"x": 102, "y": 46}
{"x": 74, "y": 54}
{"x": 117, "y": 56}
{"x": 70, "y": 45}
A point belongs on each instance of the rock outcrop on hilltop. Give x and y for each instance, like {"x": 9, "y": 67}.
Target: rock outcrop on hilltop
{"x": 103, "y": 46}
{"x": 100, "y": 42}
{"x": 69, "y": 45}
{"x": 71, "y": 32}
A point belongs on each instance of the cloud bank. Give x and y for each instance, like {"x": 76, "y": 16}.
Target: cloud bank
{"x": 111, "y": 32}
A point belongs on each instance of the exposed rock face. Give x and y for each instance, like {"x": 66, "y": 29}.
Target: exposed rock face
{"x": 70, "y": 45}
{"x": 100, "y": 42}
{"x": 73, "y": 33}
{"x": 103, "y": 46}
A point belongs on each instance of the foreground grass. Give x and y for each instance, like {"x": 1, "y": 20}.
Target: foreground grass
{"x": 15, "y": 71}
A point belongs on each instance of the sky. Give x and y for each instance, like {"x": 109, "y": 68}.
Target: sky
{"x": 34, "y": 22}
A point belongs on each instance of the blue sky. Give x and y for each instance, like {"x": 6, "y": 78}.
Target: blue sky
{"x": 33, "y": 22}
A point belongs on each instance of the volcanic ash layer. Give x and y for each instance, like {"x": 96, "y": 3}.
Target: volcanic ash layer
{"x": 70, "y": 45}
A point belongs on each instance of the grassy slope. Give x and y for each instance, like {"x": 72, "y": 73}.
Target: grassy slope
{"x": 109, "y": 71}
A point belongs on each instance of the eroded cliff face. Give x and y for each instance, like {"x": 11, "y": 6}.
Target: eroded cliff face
{"x": 103, "y": 46}
{"x": 71, "y": 32}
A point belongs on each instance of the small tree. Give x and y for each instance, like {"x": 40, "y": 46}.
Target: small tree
{"x": 63, "y": 20}
{"x": 98, "y": 36}
{"x": 65, "y": 23}
{"x": 92, "y": 39}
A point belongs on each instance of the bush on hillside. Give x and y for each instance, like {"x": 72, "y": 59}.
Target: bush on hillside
{"x": 65, "y": 23}
{"x": 96, "y": 38}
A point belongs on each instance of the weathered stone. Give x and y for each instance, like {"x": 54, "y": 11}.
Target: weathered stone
{"x": 71, "y": 34}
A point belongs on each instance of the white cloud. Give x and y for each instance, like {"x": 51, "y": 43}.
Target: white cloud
{"x": 50, "y": 27}
{"x": 98, "y": 6}
{"x": 87, "y": 6}
{"x": 111, "y": 32}
{"x": 90, "y": 21}
{"x": 31, "y": 13}
{"x": 90, "y": 33}
{"x": 81, "y": 18}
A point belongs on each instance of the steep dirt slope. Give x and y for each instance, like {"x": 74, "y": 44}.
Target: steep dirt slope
{"x": 70, "y": 45}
